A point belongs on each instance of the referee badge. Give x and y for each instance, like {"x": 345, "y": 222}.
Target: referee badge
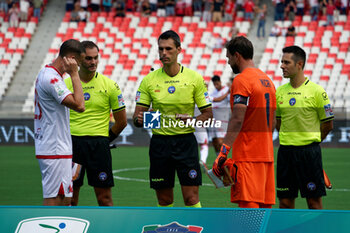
{"x": 311, "y": 186}
{"x": 171, "y": 89}
{"x": 102, "y": 176}
{"x": 86, "y": 96}
{"x": 292, "y": 101}
{"x": 192, "y": 174}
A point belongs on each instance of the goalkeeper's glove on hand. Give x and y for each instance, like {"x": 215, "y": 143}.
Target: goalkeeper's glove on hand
{"x": 220, "y": 160}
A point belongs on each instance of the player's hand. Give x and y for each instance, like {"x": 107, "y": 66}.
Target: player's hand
{"x": 138, "y": 120}
{"x": 220, "y": 160}
{"x": 70, "y": 65}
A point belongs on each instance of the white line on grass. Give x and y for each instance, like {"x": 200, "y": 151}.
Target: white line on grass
{"x": 147, "y": 181}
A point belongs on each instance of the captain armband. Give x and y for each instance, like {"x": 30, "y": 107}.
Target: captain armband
{"x": 239, "y": 99}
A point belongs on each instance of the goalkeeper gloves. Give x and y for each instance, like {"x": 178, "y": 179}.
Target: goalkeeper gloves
{"x": 220, "y": 160}
{"x": 111, "y": 136}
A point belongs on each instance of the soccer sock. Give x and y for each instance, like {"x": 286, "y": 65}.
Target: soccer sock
{"x": 171, "y": 205}
{"x": 198, "y": 205}
{"x": 204, "y": 152}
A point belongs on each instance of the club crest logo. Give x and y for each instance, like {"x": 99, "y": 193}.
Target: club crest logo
{"x": 53, "y": 224}
{"x": 172, "y": 227}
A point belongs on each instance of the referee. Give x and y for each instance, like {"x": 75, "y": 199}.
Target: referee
{"x": 89, "y": 130}
{"x": 304, "y": 118}
{"x": 173, "y": 91}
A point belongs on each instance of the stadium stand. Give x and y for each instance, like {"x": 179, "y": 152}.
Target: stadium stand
{"x": 327, "y": 48}
{"x": 13, "y": 44}
{"x": 129, "y": 50}
{"x": 128, "y": 47}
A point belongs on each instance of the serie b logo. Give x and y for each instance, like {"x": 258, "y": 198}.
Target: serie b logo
{"x": 151, "y": 120}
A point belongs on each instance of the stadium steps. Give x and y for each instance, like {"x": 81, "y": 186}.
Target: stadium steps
{"x": 12, "y": 103}
{"x": 259, "y": 45}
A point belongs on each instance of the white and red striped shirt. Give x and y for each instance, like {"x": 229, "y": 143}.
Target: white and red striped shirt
{"x": 51, "y": 120}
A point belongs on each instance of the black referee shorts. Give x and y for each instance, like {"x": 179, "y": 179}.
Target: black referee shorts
{"x": 300, "y": 168}
{"x": 174, "y": 153}
{"x": 93, "y": 153}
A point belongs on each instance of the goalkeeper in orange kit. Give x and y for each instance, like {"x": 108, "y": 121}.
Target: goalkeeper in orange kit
{"x": 249, "y": 133}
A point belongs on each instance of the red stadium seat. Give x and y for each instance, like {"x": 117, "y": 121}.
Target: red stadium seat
{"x": 324, "y": 77}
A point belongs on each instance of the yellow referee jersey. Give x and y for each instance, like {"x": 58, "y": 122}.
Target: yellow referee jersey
{"x": 301, "y": 111}
{"x": 101, "y": 95}
{"x": 171, "y": 96}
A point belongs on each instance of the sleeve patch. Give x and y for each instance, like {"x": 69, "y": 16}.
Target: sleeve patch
{"x": 137, "y": 98}
{"x": 207, "y": 97}
{"x": 328, "y": 110}
{"x": 121, "y": 100}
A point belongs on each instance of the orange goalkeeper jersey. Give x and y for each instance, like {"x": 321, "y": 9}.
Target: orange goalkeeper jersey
{"x": 254, "y": 142}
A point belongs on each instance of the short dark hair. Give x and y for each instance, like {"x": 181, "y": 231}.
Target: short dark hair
{"x": 171, "y": 34}
{"x": 88, "y": 44}
{"x": 216, "y": 78}
{"x": 241, "y": 45}
{"x": 298, "y": 53}
{"x": 71, "y": 46}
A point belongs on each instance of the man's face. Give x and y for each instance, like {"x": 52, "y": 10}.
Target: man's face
{"x": 217, "y": 85}
{"x": 167, "y": 51}
{"x": 288, "y": 66}
{"x": 232, "y": 61}
{"x": 90, "y": 60}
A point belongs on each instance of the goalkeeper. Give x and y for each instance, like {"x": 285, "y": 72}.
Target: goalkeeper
{"x": 249, "y": 133}
{"x": 89, "y": 130}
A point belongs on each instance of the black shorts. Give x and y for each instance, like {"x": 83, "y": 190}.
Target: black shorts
{"x": 174, "y": 153}
{"x": 300, "y": 168}
{"x": 93, "y": 153}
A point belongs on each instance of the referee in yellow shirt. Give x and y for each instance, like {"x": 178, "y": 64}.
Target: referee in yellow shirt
{"x": 304, "y": 118}
{"x": 173, "y": 91}
{"x": 90, "y": 131}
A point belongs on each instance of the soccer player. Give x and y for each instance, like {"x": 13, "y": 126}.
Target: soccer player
{"x": 249, "y": 133}
{"x": 173, "y": 91}
{"x": 221, "y": 104}
{"x": 90, "y": 131}
{"x": 304, "y": 118}
{"x": 53, "y": 144}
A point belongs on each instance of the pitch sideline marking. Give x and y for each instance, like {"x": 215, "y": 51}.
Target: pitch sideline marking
{"x": 147, "y": 181}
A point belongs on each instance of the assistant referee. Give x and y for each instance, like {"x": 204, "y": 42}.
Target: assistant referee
{"x": 304, "y": 118}
{"x": 90, "y": 130}
{"x": 173, "y": 90}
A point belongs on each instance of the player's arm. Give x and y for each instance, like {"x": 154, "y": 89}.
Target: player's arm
{"x": 221, "y": 98}
{"x": 120, "y": 123}
{"x": 206, "y": 113}
{"x": 274, "y": 121}
{"x": 326, "y": 127}
{"x": 138, "y": 115}
{"x": 278, "y": 124}
{"x": 76, "y": 100}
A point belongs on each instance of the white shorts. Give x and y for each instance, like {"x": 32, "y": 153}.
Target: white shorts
{"x": 218, "y": 132}
{"x": 201, "y": 136}
{"x": 56, "y": 177}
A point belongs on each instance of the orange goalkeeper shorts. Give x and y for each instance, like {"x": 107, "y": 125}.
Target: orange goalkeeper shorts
{"x": 255, "y": 182}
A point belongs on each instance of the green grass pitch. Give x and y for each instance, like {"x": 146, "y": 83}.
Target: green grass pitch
{"x": 20, "y": 182}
